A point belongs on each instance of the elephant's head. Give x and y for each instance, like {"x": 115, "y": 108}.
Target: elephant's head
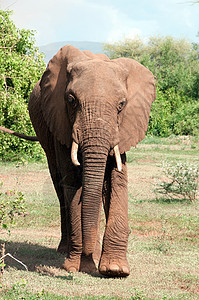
{"x": 95, "y": 105}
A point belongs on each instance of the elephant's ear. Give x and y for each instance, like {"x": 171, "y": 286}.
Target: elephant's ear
{"x": 53, "y": 84}
{"x": 133, "y": 119}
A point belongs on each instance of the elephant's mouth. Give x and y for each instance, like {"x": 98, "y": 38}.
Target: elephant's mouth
{"x": 74, "y": 151}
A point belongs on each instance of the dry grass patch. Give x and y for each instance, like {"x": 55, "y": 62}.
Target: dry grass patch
{"x": 163, "y": 241}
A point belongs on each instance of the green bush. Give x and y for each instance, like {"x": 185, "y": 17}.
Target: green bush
{"x": 21, "y": 66}
{"x": 172, "y": 114}
{"x": 186, "y": 119}
{"x": 160, "y": 117}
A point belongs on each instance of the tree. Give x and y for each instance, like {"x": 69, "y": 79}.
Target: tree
{"x": 21, "y": 66}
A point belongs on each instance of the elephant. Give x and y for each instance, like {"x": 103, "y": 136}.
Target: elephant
{"x": 88, "y": 111}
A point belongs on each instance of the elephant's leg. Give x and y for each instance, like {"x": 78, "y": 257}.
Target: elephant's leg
{"x": 72, "y": 262}
{"x": 67, "y": 182}
{"x": 65, "y": 244}
{"x": 51, "y": 147}
{"x": 49, "y": 144}
{"x": 76, "y": 261}
{"x": 113, "y": 260}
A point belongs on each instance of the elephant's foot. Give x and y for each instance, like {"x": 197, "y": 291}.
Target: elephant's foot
{"x": 87, "y": 264}
{"x": 72, "y": 263}
{"x": 63, "y": 246}
{"x": 82, "y": 263}
{"x": 114, "y": 267}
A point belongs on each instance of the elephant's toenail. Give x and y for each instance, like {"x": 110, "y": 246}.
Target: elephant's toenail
{"x": 103, "y": 269}
{"x": 125, "y": 270}
{"x": 72, "y": 269}
{"x": 114, "y": 268}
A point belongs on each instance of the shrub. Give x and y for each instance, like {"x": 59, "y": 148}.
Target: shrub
{"x": 186, "y": 119}
{"x": 160, "y": 116}
{"x": 173, "y": 114}
{"x": 11, "y": 206}
{"x": 182, "y": 181}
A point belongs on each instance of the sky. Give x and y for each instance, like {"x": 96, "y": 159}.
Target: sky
{"x": 104, "y": 21}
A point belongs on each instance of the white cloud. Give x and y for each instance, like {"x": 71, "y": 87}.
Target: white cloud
{"x": 118, "y": 34}
{"x": 72, "y": 20}
{"x": 44, "y": 16}
{"x": 104, "y": 20}
{"x": 126, "y": 26}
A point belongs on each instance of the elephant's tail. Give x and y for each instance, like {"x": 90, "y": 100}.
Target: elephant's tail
{"x": 20, "y": 135}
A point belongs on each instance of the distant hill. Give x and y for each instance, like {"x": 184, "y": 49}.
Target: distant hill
{"x": 51, "y": 49}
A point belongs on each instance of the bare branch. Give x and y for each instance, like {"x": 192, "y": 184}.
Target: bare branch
{"x": 20, "y": 262}
{"x": 6, "y": 47}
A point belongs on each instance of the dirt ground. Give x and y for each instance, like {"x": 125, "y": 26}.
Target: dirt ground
{"x": 140, "y": 177}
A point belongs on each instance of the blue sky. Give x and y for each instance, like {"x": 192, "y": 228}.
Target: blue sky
{"x": 105, "y": 20}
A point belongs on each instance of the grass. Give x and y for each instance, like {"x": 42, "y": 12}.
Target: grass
{"x": 163, "y": 241}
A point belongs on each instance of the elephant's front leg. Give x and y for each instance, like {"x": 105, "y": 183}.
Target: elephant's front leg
{"x": 76, "y": 261}
{"x": 113, "y": 260}
{"x": 72, "y": 262}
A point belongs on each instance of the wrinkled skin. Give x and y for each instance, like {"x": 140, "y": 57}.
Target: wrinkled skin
{"x": 98, "y": 104}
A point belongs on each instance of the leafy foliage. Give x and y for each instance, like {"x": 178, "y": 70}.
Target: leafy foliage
{"x": 21, "y": 66}
{"x": 175, "y": 64}
{"x": 173, "y": 114}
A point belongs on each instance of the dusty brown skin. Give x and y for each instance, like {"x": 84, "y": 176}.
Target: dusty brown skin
{"x": 92, "y": 104}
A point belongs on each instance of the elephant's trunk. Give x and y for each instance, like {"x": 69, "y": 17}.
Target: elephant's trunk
{"x": 94, "y": 139}
{"x": 94, "y": 164}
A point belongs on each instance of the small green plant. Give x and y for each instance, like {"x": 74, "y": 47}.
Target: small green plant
{"x": 20, "y": 291}
{"x": 162, "y": 242}
{"x": 138, "y": 296}
{"x": 182, "y": 181}
{"x": 11, "y": 206}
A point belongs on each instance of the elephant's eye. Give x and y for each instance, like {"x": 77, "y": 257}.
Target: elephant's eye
{"x": 72, "y": 100}
{"x": 121, "y": 105}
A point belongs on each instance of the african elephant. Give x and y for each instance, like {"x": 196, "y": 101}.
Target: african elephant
{"x": 87, "y": 111}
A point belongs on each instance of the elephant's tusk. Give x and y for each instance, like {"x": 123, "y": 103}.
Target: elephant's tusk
{"x": 74, "y": 151}
{"x": 118, "y": 158}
